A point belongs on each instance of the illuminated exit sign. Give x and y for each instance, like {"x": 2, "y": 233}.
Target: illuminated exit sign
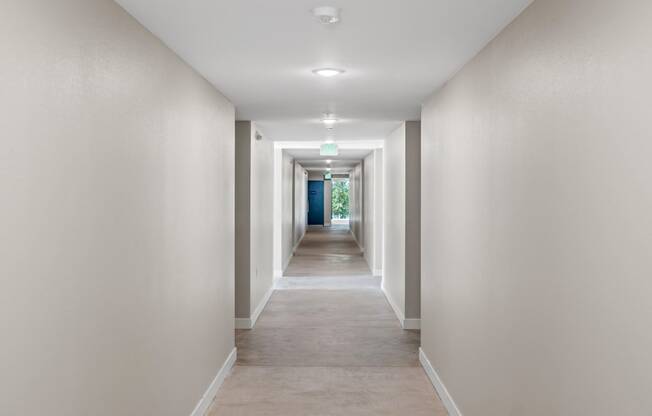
{"x": 328, "y": 149}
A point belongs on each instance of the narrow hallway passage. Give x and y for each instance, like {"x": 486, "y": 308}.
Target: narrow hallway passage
{"x": 327, "y": 343}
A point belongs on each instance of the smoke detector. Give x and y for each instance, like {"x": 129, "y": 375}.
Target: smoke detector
{"x": 326, "y": 14}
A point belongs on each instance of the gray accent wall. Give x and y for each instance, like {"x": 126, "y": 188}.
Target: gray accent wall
{"x": 117, "y": 217}
{"x": 537, "y": 225}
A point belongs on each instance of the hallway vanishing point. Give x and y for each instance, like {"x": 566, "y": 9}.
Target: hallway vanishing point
{"x": 328, "y": 343}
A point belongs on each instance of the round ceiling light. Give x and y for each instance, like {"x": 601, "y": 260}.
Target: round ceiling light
{"x": 327, "y": 15}
{"x": 329, "y": 121}
{"x": 328, "y": 72}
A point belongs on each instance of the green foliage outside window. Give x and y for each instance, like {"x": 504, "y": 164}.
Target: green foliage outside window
{"x": 340, "y": 199}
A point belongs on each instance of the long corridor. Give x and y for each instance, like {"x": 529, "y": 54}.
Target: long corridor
{"x": 328, "y": 343}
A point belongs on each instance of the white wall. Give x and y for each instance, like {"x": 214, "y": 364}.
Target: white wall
{"x": 394, "y": 214}
{"x": 287, "y": 213}
{"x": 536, "y": 246}
{"x": 356, "y": 204}
{"x": 401, "y": 256}
{"x": 373, "y": 210}
{"x": 328, "y": 203}
{"x": 117, "y": 183}
{"x": 278, "y": 247}
{"x": 262, "y": 217}
{"x": 300, "y": 202}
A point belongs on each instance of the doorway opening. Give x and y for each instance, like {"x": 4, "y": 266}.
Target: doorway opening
{"x": 340, "y": 201}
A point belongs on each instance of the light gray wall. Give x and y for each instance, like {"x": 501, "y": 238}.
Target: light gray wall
{"x": 328, "y": 204}
{"x": 262, "y": 217}
{"x": 368, "y": 207}
{"x": 536, "y": 247}
{"x": 413, "y": 219}
{"x": 287, "y": 213}
{"x": 394, "y": 213}
{"x": 379, "y": 201}
{"x": 254, "y": 218}
{"x": 372, "y": 176}
{"x": 243, "y": 214}
{"x": 117, "y": 217}
{"x": 300, "y": 202}
{"x": 401, "y": 255}
{"x": 356, "y": 204}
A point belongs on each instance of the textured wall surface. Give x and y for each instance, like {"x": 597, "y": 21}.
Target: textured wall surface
{"x": 537, "y": 226}
{"x": 117, "y": 183}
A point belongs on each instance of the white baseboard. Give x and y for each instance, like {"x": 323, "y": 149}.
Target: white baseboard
{"x": 409, "y": 323}
{"x": 443, "y": 393}
{"x": 397, "y": 310}
{"x": 356, "y": 241}
{"x": 243, "y": 323}
{"x": 248, "y": 323}
{"x": 207, "y": 398}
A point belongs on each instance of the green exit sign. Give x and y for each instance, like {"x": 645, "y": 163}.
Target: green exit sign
{"x": 328, "y": 149}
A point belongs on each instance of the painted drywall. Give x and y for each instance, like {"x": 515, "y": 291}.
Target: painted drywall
{"x": 300, "y": 207}
{"x": 262, "y": 217}
{"x": 287, "y": 214}
{"x": 367, "y": 206}
{"x": 328, "y": 202}
{"x": 254, "y": 186}
{"x": 117, "y": 217}
{"x": 378, "y": 223}
{"x": 536, "y": 244}
{"x": 401, "y": 264}
{"x": 356, "y": 195}
{"x": 278, "y": 213}
{"x": 412, "y": 219}
{"x": 243, "y": 214}
{"x": 372, "y": 171}
{"x": 394, "y": 213}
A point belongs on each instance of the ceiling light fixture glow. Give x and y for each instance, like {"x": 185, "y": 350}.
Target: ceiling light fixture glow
{"x": 328, "y": 72}
{"x": 329, "y": 161}
{"x": 326, "y": 14}
{"x": 329, "y": 121}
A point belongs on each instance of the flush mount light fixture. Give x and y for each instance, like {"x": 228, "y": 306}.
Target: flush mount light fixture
{"x": 329, "y": 121}
{"x": 328, "y": 72}
{"x": 328, "y": 161}
{"x": 326, "y": 15}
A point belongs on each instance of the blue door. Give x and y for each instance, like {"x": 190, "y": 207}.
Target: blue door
{"x": 315, "y": 203}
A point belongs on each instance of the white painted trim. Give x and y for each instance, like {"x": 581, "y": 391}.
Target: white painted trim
{"x": 242, "y": 323}
{"x": 211, "y": 392}
{"x": 397, "y": 310}
{"x": 261, "y": 306}
{"x": 411, "y": 323}
{"x": 356, "y": 240}
{"x": 378, "y": 272}
{"x": 442, "y": 391}
{"x": 249, "y": 323}
{"x": 278, "y": 274}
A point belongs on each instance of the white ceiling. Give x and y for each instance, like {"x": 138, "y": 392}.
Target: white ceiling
{"x": 260, "y": 54}
{"x": 343, "y": 162}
